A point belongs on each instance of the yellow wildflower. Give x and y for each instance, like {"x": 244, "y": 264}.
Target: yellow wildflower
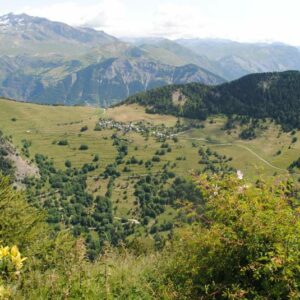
{"x": 14, "y": 255}
{"x": 14, "y": 251}
{"x": 4, "y": 251}
{"x": 18, "y": 261}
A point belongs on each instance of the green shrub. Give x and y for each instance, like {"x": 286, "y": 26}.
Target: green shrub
{"x": 84, "y": 128}
{"x": 83, "y": 147}
{"x": 244, "y": 244}
{"x": 63, "y": 143}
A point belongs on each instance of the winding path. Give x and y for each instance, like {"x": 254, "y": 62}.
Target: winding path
{"x": 243, "y": 147}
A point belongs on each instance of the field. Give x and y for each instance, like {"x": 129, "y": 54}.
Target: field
{"x": 254, "y": 157}
{"x": 44, "y": 126}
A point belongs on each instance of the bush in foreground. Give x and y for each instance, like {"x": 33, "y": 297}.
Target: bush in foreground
{"x": 244, "y": 245}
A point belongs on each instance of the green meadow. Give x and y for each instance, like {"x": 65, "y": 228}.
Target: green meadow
{"x": 44, "y": 126}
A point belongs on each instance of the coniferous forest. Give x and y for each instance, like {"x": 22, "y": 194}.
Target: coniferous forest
{"x": 268, "y": 95}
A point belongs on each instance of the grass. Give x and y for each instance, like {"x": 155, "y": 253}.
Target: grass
{"x": 136, "y": 113}
{"x": 265, "y": 146}
{"x": 44, "y": 126}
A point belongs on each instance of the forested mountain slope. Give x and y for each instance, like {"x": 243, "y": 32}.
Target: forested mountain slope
{"x": 265, "y": 95}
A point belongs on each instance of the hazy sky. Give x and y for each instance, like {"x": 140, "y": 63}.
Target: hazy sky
{"x": 242, "y": 20}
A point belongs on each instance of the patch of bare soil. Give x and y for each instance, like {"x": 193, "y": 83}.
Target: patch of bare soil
{"x": 178, "y": 98}
{"x": 23, "y": 167}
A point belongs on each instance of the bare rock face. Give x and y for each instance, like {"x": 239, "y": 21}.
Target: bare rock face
{"x": 12, "y": 164}
{"x": 23, "y": 167}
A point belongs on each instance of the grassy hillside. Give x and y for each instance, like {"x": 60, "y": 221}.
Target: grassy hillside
{"x": 89, "y": 153}
{"x": 44, "y": 125}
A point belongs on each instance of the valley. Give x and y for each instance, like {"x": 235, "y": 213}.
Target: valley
{"x": 113, "y": 151}
{"x": 149, "y": 150}
{"x": 43, "y": 125}
{"x": 49, "y": 62}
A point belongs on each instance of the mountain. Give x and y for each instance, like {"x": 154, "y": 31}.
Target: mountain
{"x": 51, "y": 62}
{"x": 228, "y": 59}
{"x": 20, "y": 34}
{"x": 172, "y": 53}
{"x": 107, "y": 82}
{"x": 265, "y": 95}
{"x": 238, "y": 59}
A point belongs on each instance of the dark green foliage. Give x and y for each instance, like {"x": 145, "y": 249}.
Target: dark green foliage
{"x": 83, "y": 147}
{"x": 148, "y": 164}
{"x": 111, "y": 170}
{"x": 244, "y": 244}
{"x": 126, "y": 169}
{"x": 84, "y": 128}
{"x": 133, "y": 161}
{"x": 122, "y": 148}
{"x": 63, "y": 143}
{"x": 98, "y": 127}
{"x": 6, "y": 165}
{"x": 295, "y": 165}
{"x": 69, "y": 204}
{"x": 248, "y": 134}
{"x": 214, "y": 162}
{"x": 156, "y": 158}
{"x": 68, "y": 164}
{"x": 160, "y": 152}
{"x": 266, "y": 95}
{"x": 25, "y": 147}
{"x": 154, "y": 192}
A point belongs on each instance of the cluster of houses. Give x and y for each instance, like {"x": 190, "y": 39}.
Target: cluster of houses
{"x": 142, "y": 128}
{"x": 111, "y": 124}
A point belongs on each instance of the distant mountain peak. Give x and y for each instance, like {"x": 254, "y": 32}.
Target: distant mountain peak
{"x": 17, "y": 19}
{"x": 36, "y": 28}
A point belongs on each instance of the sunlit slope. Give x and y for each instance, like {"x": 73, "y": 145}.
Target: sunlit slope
{"x": 44, "y": 126}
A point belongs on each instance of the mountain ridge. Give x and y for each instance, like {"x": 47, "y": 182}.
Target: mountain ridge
{"x": 41, "y": 58}
{"x": 273, "y": 95}
{"x": 38, "y": 57}
{"x": 115, "y": 79}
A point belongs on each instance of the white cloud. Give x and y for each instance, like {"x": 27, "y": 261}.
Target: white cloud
{"x": 243, "y": 20}
{"x": 178, "y": 20}
{"x": 107, "y": 14}
{"x": 114, "y": 16}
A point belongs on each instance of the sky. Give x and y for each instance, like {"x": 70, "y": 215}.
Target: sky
{"x": 240, "y": 20}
